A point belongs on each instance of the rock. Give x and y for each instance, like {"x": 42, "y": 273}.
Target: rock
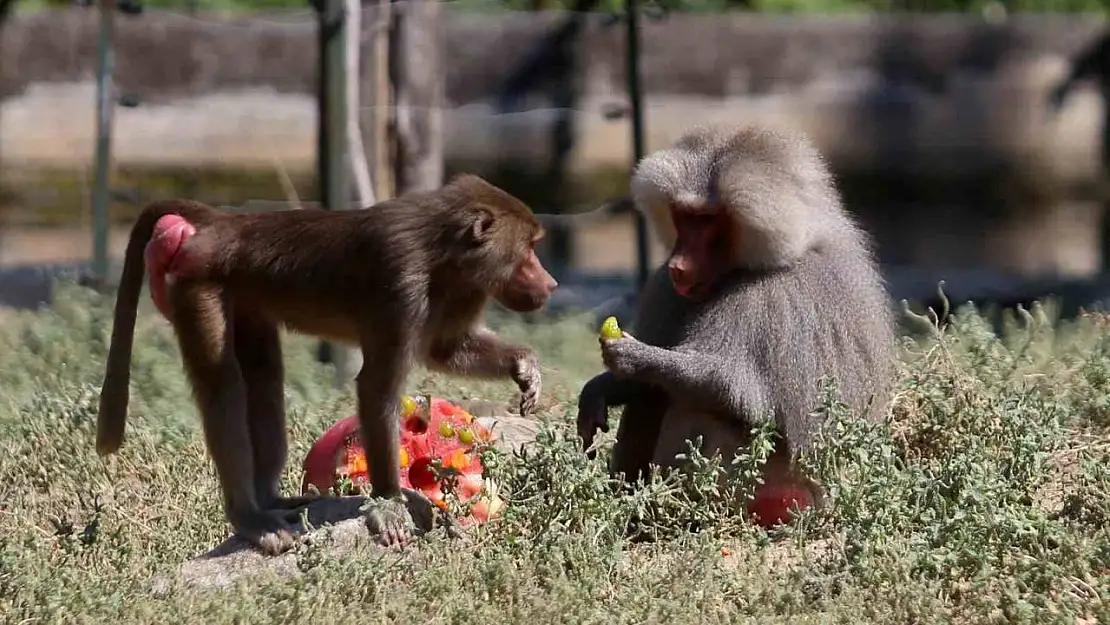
{"x": 31, "y": 287}
{"x": 511, "y": 432}
{"x": 333, "y": 522}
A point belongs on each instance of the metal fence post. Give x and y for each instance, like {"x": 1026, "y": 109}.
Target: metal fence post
{"x": 105, "y": 105}
{"x": 635, "y": 96}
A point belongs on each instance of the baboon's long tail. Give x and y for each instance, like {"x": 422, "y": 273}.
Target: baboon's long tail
{"x": 115, "y": 394}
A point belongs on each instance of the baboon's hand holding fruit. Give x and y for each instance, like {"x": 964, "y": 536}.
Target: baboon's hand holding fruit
{"x": 620, "y": 351}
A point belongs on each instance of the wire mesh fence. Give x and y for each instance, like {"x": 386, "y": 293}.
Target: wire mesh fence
{"x": 938, "y": 126}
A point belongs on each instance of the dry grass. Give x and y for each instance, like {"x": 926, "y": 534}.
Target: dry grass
{"x": 939, "y": 514}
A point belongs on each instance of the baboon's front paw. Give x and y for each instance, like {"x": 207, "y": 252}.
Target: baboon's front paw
{"x": 593, "y": 415}
{"x": 389, "y": 521}
{"x": 526, "y": 374}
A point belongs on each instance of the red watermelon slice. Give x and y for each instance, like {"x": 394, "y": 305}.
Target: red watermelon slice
{"x": 431, "y": 429}
{"x": 773, "y": 503}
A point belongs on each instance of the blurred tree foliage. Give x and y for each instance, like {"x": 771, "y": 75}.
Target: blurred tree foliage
{"x": 615, "y": 6}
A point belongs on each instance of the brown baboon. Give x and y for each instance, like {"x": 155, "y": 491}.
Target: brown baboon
{"x": 406, "y": 280}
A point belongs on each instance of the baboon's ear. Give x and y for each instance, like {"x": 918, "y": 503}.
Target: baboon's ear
{"x": 480, "y": 226}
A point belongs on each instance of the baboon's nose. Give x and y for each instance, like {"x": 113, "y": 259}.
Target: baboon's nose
{"x": 680, "y": 278}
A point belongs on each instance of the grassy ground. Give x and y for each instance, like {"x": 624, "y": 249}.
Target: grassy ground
{"x": 984, "y": 498}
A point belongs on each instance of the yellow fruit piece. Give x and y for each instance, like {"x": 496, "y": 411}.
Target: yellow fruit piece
{"x": 357, "y": 464}
{"x": 466, "y": 437}
{"x": 408, "y": 405}
{"x": 404, "y": 458}
{"x": 610, "y": 329}
{"x": 446, "y": 430}
{"x": 457, "y": 460}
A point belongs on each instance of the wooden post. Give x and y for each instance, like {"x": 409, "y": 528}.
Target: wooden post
{"x": 414, "y": 48}
{"x": 414, "y": 63}
{"x": 332, "y": 121}
{"x": 332, "y": 148}
{"x": 356, "y": 153}
{"x": 6, "y": 10}
{"x": 348, "y": 361}
{"x": 383, "y": 102}
{"x": 105, "y": 105}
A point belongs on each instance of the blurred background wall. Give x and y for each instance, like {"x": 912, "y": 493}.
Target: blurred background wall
{"x": 937, "y": 124}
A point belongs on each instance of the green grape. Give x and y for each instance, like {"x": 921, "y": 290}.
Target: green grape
{"x": 466, "y": 437}
{"x": 408, "y": 405}
{"x": 446, "y": 430}
{"x": 610, "y": 329}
